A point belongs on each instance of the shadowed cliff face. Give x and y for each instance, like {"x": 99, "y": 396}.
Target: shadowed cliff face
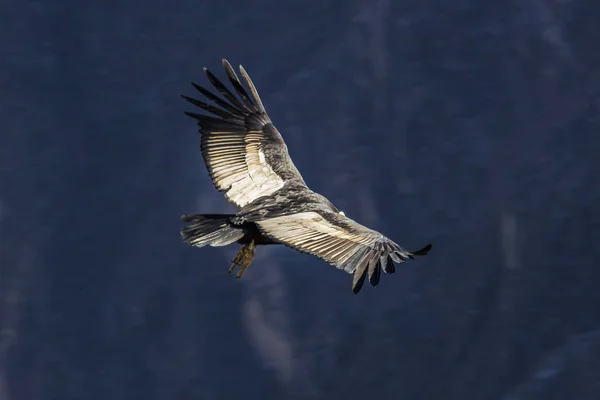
{"x": 471, "y": 126}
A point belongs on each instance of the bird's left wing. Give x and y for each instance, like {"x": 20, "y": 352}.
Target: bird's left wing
{"x": 341, "y": 242}
{"x": 245, "y": 155}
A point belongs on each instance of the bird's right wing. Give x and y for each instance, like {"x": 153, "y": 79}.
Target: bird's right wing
{"x": 245, "y": 155}
{"x": 341, "y": 242}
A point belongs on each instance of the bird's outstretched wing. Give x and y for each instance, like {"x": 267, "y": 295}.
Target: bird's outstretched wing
{"x": 341, "y": 242}
{"x": 245, "y": 155}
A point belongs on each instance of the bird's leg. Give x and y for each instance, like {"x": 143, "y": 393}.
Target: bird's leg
{"x": 243, "y": 259}
{"x": 238, "y": 260}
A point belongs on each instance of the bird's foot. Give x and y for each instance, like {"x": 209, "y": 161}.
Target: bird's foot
{"x": 243, "y": 259}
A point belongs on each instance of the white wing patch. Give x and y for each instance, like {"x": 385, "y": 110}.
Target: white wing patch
{"x": 239, "y": 167}
{"x": 310, "y": 232}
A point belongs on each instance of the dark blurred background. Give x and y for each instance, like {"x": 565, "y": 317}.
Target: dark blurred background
{"x": 471, "y": 125}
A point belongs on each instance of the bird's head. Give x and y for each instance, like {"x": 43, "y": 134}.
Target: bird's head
{"x": 342, "y": 213}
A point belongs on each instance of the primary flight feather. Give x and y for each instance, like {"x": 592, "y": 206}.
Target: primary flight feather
{"x": 248, "y": 161}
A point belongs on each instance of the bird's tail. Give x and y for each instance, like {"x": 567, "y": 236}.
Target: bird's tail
{"x": 210, "y": 229}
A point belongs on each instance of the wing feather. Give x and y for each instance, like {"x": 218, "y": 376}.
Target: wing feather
{"x": 217, "y": 100}
{"x": 250, "y": 84}
{"x": 212, "y": 109}
{"x": 374, "y": 268}
{"x": 245, "y": 155}
{"x": 249, "y": 105}
{"x": 340, "y": 241}
{"x": 224, "y": 91}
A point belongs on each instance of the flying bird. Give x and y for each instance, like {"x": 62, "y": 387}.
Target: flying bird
{"x": 248, "y": 161}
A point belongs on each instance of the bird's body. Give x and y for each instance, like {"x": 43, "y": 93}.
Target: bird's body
{"x": 248, "y": 160}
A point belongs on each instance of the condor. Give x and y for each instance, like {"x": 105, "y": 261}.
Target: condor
{"x": 248, "y": 161}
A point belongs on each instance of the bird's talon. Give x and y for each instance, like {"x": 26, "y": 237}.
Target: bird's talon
{"x": 234, "y": 263}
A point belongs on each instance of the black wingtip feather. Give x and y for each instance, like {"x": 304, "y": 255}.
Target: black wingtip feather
{"x": 212, "y": 109}
{"x": 375, "y": 275}
{"x": 218, "y": 101}
{"x": 239, "y": 88}
{"x": 359, "y": 283}
{"x": 216, "y": 82}
{"x": 422, "y": 252}
{"x": 391, "y": 268}
{"x": 255, "y": 95}
{"x": 191, "y": 114}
